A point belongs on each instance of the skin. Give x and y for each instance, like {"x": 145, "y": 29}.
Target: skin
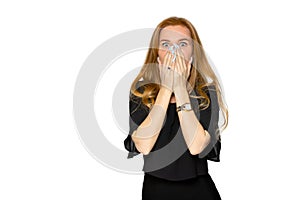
{"x": 194, "y": 134}
{"x": 181, "y": 36}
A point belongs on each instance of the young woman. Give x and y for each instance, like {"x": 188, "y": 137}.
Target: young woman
{"x": 174, "y": 115}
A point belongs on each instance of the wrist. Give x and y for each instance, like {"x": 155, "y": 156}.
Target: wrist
{"x": 165, "y": 90}
{"x": 179, "y": 91}
{"x": 182, "y": 96}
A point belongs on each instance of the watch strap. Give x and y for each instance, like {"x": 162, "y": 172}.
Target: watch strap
{"x": 182, "y": 107}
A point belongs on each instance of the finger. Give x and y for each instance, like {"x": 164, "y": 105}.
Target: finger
{"x": 176, "y": 63}
{"x": 186, "y": 64}
{"x": 180, "y": 62}
{"x": 172, "y": 50}
{"x": 166, "y": 58}
{"x": 181, "y": 55}
{"x": 174, "y": 56}
{"x": 190, "y": 65}
{"x": 169, "y": 61}
{"x": 187, "y": 69}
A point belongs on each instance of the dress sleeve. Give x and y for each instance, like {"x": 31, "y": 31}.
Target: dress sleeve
{"x": 209, "y": 118}
{"x": 137, "y": 114}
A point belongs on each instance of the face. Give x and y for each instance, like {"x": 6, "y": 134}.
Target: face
{"x": 179, "y": 35}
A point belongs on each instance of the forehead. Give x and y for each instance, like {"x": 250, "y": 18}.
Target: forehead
{"x": 175, "y": 32}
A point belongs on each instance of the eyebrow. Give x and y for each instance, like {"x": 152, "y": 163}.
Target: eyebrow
{"x": 178, "y": 40}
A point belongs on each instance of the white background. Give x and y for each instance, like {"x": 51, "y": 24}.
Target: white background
{"x": 254, "y": 45}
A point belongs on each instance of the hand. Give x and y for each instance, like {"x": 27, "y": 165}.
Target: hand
{"x": 181, "y": 72}
{"x": 166, "y": 75}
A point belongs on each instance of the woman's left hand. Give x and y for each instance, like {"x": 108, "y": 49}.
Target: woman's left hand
{"x": 181, "y": 72}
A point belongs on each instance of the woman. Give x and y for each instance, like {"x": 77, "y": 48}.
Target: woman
{"x": 175, "y": 141}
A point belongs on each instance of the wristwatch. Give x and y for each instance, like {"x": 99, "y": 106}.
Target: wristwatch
{"x": 184, "y": 107}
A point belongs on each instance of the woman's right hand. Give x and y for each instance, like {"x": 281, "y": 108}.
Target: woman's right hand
{"x": 166, "y": 75}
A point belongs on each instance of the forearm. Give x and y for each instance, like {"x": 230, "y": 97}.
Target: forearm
{"x": 192, "y": 130}
{"x": 147, "y": 133}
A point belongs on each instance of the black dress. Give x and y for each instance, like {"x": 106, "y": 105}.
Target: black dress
{"x": 170, "y": 170}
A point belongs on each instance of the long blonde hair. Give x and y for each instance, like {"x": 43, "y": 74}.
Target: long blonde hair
{"x": 198, "y": 79}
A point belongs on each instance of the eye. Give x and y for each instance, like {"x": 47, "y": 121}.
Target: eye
{"x": 165, "y": 44}
{"x": 182, "y": 44}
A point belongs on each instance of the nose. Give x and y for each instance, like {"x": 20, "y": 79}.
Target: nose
{"x": 172, "y": 49}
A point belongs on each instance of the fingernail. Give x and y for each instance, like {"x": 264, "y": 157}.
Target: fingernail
{"x": 173, "y": 60}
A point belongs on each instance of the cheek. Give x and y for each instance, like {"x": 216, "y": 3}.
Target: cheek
{"x": 162, "y": 54}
